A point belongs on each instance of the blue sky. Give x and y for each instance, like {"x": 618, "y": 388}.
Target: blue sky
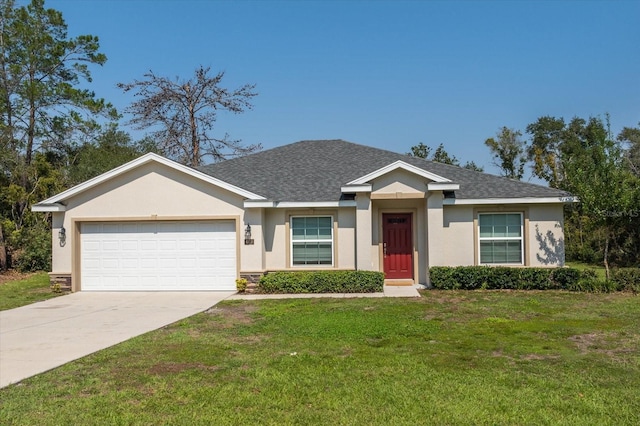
{"x": 389, "y": 74}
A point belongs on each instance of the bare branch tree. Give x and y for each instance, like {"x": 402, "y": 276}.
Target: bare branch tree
{"x": 182, "y": 114}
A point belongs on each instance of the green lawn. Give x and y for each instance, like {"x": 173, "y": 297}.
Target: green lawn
{"x": 31, "y": 289}
{"x": 450, "y": 357}
{"x": 599, "y": 269}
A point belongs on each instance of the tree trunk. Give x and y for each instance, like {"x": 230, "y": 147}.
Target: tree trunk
{"x": 3, "y": 252}
{"x": 31, "y": 134}
{"x": 606, "y": 255}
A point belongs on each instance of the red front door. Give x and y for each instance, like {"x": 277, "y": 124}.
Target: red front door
{"x": 397, "y": 246}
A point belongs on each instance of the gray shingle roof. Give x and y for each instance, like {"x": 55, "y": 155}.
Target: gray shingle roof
{"x": 316, "y": 170}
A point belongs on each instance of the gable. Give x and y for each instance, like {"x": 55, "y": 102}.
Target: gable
{"x": 398, "y": 182}
{"x": 58, "y": 202}
{"x": 399, "y": 165}
{"x": 154, "y": 189}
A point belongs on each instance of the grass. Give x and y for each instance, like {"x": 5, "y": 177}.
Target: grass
{"x": 599, "y": 269}
{"x": 20, "y": 290}
{"x": 450, "y": 357}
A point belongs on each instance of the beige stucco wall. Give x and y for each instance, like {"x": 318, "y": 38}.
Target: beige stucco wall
{"x": 458, "y": 242}
{"x": 399, "y": 181}
{"x": 546, "y": 235}
{"x": 277, "y": 238}
{"x": 155, "y": 192}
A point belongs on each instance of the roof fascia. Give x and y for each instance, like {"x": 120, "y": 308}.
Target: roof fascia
{"x": 55, "y": 207}
{"x": 350, "y": 189}
{"x": 398, "y": 165}
{"x": 443, "y": 186}
{"x": 523, "y": 200}
{"x": 147, "y": 158}
{"x": 298, "y": 204}
{"x": 254, "y": 204}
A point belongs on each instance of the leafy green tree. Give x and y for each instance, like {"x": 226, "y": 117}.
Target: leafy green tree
{"x": 183, "y": 114}
{"x": 471, "y": 165}
{"x": 43, "y": 113}
{"x": 421, "y": 151}
{"x": 544, "y": 149}
{"x": 508, "y": 151}
{"x": 606, "y": 188}
{"x": 113, "y": 148}
{"x": 440, "y": 155}
{"x": 41, "y": 68}
{"x": 555, "y": 144}
{"x": 631, "y": 137}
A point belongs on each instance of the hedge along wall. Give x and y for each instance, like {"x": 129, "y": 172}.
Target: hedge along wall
{"x": 494, "y": 278}
{"x": 322, "y": 282}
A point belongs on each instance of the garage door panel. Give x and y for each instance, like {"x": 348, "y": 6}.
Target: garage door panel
{"x": 110, "y": 245}
{"x": 129, "y": 244}
{"x": 181, "y": 255}
{"x": 130, "y": 263}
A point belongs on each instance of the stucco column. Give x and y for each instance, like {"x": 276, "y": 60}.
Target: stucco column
{"x": 252, "y": 255}
{"x": 363, "y": 232}
{"x": 435, "y": 223}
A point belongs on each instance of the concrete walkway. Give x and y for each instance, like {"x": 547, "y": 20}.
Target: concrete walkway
{"x": 38, "y": 337}
{"x": 388, "y": 291}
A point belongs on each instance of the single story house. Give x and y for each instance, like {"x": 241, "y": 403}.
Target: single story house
{"x": 154, "y": 224}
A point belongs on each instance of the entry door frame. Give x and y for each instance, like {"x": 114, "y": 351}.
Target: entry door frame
{"x": 411, "y": 216}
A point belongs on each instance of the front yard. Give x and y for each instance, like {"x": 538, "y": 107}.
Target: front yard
{"x": 23, "y": 289}
{"x": 451, "y": 357}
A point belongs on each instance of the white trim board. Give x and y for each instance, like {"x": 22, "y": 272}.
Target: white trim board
{"x": 526, "y": 200}
{"x": 394, "y": 166}
{"x": 297, "y": 204}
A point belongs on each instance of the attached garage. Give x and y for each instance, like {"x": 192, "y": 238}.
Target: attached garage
{"x": 158, "y": 256}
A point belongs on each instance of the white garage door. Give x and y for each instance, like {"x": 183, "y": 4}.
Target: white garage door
{"x": 151, "y": 256}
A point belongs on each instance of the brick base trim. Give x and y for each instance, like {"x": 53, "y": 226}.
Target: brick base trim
{"x": 61, "y": 282}
{"x": 252, "y": 281}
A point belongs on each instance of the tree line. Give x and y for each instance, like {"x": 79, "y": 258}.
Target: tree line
{"x": 55, "y": 134}
{"x": 584, "y": 158}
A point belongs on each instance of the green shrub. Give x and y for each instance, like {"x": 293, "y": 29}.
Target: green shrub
{"x": 501, "y": 277}
{"x": 442, "y": 278}
{"x": 536, "y": 279}
{"x": 627, "y": 279}
{"x": 565, "y": 277}
{"x": 593, "y": 285}
{"x": 322, "y": 282}
{"x": 33, "y": 252}
{"x": 241, "y": 285}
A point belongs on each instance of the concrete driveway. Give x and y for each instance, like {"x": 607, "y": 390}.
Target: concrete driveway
{"x": 38, "y": 337}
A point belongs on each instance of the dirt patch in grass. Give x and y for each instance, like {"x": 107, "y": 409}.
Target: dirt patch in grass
{"x": 450, "y": 301}
{"x": 602, "y": 343}
{"x": 11, "y": 275}
{"x": 586, "y": 342}
{"x": 231, "y": 316}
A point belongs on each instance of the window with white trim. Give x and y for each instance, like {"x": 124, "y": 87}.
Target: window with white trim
{"x": 311, "y": 240}
{"x": 500, "y": 236}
